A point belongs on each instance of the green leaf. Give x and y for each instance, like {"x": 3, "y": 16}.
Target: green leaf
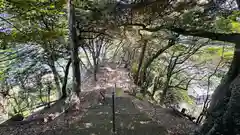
{"x": 235, "y": 26}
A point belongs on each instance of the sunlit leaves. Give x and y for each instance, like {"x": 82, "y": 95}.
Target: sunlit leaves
{"x": 229, "y": 24}
{"x": 235, "y": 26}
{"x": 1, "y": 75}
{"x": 223, "y": 25}
{"x": 234, "y": 16}
{"x": 1, "y": 4}
{"x": 36, "y": 21}
{"x": 179, "y": 48}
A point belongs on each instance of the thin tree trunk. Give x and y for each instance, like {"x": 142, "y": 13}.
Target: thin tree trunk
{"x": 95, "y": 66}
{"x": 164, "y": 92}
{"x": 141, "y": 58}
{"x": 55, "y": 76}
{"x": 49, "y": 94}
{"x": 155, "y": 86}
{"x": 74, "y": 46}
{"x": 89, "y": 62}
{"x": 147, "y": 64}
{"x": 64, "y": 84}
{"x": 40, "y": 96}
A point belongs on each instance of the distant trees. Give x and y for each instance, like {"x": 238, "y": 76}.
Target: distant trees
{"x": 36, "y": 39}
{"x": 96, "y": 45}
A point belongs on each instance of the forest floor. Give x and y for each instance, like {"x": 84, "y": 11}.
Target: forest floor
{"x": 133, "y": 116}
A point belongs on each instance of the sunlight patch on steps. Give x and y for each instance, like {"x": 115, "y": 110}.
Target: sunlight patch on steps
{"x": 144, "y": 122}
{"x": 100, "y": 113}
{"x": 88, "y": 125}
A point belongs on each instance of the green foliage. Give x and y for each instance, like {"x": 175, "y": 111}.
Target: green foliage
{"x": 43, "y": 23}
{"x": 228, "y": 55}
{"x": 184, "y": 96}
{"x": 223, "y": 25}
{"x": 134, "y": 68}
{"x": 214, "y": 53}
{"x": 45, "y": 18}
{"x": 119, "y": 92}
{"x": 179, "y": 48}
{"x": 175, "y": 96}
{"x": 213, "y": 50}
{"x": 139, "y": 96}
{"x": 1, "y": 76}
{"x": 25, "y": 103}
{"x": 228, "y": 24}
{"x": 235, "y": 26}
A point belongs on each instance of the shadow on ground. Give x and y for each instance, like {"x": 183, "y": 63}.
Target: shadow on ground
{"x": 98, "y": 121}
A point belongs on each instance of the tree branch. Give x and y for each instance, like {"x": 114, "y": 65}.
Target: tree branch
{"x": 5, "y": 20}
{"x": 226, "y": 37}
{"x": 231, "y": 37}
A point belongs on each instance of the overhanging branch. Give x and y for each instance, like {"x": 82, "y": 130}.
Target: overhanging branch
{"x": 225, "y": 37}
{"x": 232, "y": 37}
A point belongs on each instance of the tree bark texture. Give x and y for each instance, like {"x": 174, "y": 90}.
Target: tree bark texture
{"x": 141, "y": 58}
{"x": 64, "y": 84}
{"x": 74, "y": 46}
{"x": 56, "y": 77}
{"x": 223, "y": 115}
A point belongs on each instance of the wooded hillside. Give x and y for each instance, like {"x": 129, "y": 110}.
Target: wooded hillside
{"x": 175, "y": 53}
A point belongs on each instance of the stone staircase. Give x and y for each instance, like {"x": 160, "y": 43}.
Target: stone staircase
{"x": 129, "y": 120}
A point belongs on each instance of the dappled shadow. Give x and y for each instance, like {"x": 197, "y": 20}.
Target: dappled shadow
{"x": 59, "y": 124}
{"x": 98, "y": 121}
{"x": 107, "y": 76}
{"x": 167, "y": 118}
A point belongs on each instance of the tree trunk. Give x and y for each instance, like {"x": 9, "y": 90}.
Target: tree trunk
{"x": 95, "y": 66}
{"x": 95, "y": 72}
{"x": 74, "y": 46}
{"x": 223, "y": 107}
{"x": 49, "y": 94}
{"x": 64, "y": 84}
{"x": 165, "y": 89}
{"x": 155, "y": 86}
{"x": 141, "y": 58}
{"x": 89, "y": 62}
{"x": 56, "y": 77}
{"x": 147, "y": 64}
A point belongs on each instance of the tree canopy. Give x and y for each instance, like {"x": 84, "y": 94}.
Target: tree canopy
{"x": 169, "y": 48}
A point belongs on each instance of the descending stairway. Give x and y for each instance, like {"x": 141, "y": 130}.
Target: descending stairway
{"x": 129, "y": 120}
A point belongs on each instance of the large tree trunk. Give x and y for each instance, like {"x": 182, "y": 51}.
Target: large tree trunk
{"x": 64, "y": 84}
{"x": 223, "y": 113}
{"x": 74, "y": 46}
